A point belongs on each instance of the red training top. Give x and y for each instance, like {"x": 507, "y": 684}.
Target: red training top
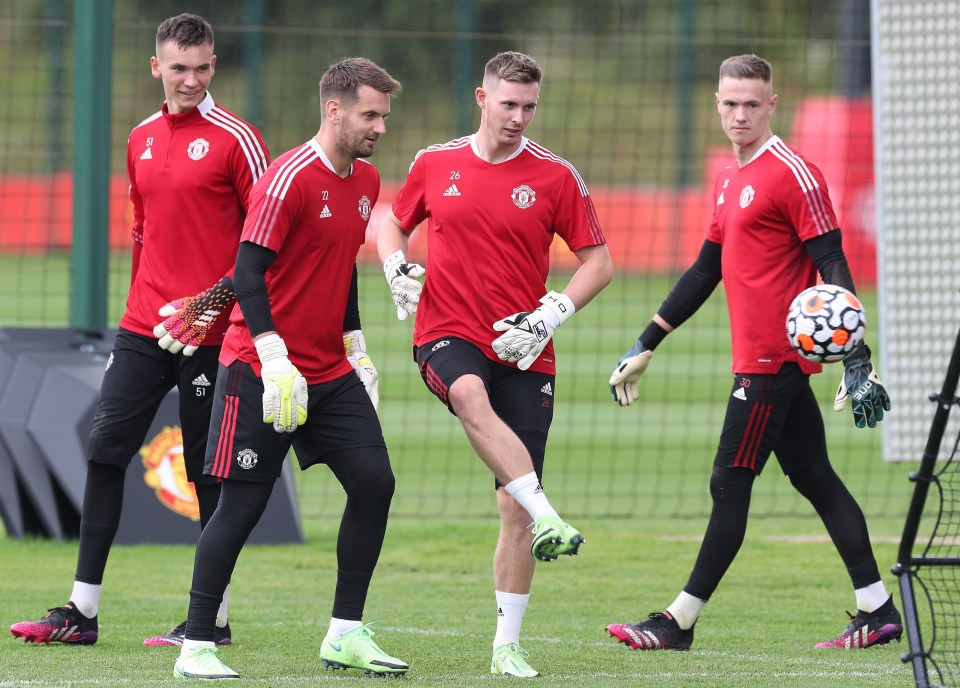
{"x": 489, "y": 234}
{"x": 764, "y": 212}
{"x": 190, "y": 178}
{"x": 316, "y": 222}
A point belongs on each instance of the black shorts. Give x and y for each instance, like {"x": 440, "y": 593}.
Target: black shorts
{"x": 522, "y": 398}
{"x": 139, "y": 375}
{"x": 777, "y": 413}
{"x": 241, "y": 446}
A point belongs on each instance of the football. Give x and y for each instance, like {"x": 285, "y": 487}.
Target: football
{"x": 825, "y": 323}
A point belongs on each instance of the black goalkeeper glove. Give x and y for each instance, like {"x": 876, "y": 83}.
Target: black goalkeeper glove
{"x": 861, "y": 385}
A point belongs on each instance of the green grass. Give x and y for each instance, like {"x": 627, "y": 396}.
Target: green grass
{"x": 634, "y": 480}
{"x": 432, "y": 595}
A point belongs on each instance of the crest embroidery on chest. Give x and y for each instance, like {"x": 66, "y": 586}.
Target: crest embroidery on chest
{"x": 523, "y": 196}
{"x": 198, "y": 149}
{"x": 364, "y": 207}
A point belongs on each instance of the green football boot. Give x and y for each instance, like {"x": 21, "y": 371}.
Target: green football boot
{"x": 510, "y": 660}
{"x": 202, "y": 662}
{"x": 552, "y": 537}
{"x": 356, "y": 650}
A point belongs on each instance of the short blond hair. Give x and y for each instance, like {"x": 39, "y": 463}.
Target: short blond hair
{"x": 513, "y": 66}
{"x": 746, "y": 67}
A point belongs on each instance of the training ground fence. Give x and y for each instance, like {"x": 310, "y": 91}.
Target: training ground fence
{"x": 930, "y": 578}
{"x": 628, "y": 98}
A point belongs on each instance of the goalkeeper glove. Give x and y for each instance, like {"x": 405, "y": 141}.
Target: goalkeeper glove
{"x": 355, "y": 347}
{"x": 526, "y": 334}
{"x": 284, "y": 388}
{"x": 862, "y": 387}
{"x": 188, "y": 319}
{"x": 405, "y": 289}
{"x": 623, "y": 382}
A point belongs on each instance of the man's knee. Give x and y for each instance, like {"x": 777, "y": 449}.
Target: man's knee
{"x": 728, "y": 484}
{"x": 371, "y": 477}
{"x": 468, "y": 398}
{"x": 815, "y": 480}
{"x": 382, "y": 485}
{"x": 109, "y": 444}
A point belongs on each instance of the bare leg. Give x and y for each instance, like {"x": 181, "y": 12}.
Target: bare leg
{"x": 513, "y": 566}
{"x": 495, "y": 443}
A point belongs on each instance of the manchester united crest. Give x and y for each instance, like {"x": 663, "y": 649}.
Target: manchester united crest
{"x": 523, "y": 196}
{"x": 166, "y": 474}
{"x": 364, "y": 208}
{"x": 198, "y": 148}
{"x": 246, "y": 459}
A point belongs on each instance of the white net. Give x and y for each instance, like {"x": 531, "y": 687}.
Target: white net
{"x": 916, "y": 58}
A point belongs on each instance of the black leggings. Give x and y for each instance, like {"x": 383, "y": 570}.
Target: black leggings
{"x": 368, "y": 481}
{"x": 102, "y": 508}
{"x": 819, "y": 483}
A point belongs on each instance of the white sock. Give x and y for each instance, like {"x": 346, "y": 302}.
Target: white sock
{"x": 189, "y": 645}
{"x": 510, "y": 610}
{"x": 872, "y": 597}
{"x": 86, "y": 597}
{"x": 338, "y": 627}
{"x": 222, "y": 612}
{"x": 686, "y": 609}
{"x": 530, "y": 495}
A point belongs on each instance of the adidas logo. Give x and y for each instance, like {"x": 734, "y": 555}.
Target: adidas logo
{"x": 538, "y": 489}
{"x": 201, "y": 381}
{"x": 147, "y": 155}
{"x": 740, "y": 394}
{"x": 326, "y": 212}
{"x": 499, "y": 611}
{"x": 452, "y": 191}
{"x": 547, "y": 389}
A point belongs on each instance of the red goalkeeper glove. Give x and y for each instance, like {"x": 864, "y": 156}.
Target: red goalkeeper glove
{"x": 189, "y": 319}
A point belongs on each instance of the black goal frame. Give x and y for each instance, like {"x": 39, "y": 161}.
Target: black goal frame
{"x": 908, "y": 564}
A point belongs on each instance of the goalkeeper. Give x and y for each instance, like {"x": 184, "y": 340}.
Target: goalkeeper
{"x": 773, "y": 229}
{"x": 286, "y": 376}
{"x": 179, "y": 246}
{"x": 485, "y": 320}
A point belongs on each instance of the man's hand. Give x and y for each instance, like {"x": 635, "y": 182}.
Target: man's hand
{"x": 862, "y": 387}
{"x": 623, "y": 382}
{"x": 526, "y": 334}
{"x": 405, "y": 289}
{"x": 284, "y": 388}
{"x": 355, "y": 347}
{"x": 188, "y": 319}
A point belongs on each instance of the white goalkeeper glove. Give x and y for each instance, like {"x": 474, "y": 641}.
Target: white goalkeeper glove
{"x": 284, "y": 388}
{"x": 526, "y": 334}
{"x": 405, "y": 289}
{"x": 355, "y": 346}
{"x": 623, "y": 382}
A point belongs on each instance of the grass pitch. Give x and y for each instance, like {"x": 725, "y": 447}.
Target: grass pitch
{"x": 432, "y": 596}
{"x": 633, "y": 480}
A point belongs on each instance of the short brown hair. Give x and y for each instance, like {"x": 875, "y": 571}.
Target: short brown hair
{"x": 185, "y": 30}
{"x": 343, "y": 78}
{"x": 514, "y": 66}
{"x": 746, "y": 67}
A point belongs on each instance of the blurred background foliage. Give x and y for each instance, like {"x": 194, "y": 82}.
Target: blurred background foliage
{"x": 627, "y": 96}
